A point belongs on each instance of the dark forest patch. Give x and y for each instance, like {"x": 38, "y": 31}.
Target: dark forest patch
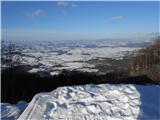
{"x": 17, "y": 84}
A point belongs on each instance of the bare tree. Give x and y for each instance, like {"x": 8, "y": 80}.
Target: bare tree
{"x": 147, "y": 61}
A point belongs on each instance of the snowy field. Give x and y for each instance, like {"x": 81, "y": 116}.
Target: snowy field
{"x": 71, "y": 55}
{"x": 92, "y": 102}
{"x": 73, "y": 58}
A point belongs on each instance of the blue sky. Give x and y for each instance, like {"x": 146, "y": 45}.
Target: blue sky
{"x": 77, "y": 20}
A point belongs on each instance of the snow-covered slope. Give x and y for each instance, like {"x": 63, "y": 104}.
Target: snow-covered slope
{"x": 12, "y": 112}
{"x": 90, "y": 102}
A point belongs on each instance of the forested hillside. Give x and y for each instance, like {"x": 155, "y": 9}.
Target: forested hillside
{"x": 147, "y": 61}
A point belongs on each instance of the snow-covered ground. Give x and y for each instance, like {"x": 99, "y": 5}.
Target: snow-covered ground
{"x": 12, "y": 112}
{"x": 71, "y": 55}
{"x": 75, "y": 55}
{"x": 105, "y": 101}
{"x": 92, "y": 102}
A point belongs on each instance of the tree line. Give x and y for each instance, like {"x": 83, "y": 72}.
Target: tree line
{"x": 147, "y": 61}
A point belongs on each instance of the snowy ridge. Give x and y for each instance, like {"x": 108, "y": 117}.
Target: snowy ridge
{"x": 107, "y": 102}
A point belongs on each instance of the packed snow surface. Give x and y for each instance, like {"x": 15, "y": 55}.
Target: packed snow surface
{"x": 92, "y": 102}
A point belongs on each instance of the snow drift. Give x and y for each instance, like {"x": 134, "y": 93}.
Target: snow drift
{"x": 105, "y": 101}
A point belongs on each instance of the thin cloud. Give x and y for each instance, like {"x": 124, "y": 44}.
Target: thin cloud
{"x": 66, "y": 4}
{"x": 35, "y": 13}
{"x": 117, "y": 18}
{"x": 62, "y": 4}
{"x": 73, "y": 5}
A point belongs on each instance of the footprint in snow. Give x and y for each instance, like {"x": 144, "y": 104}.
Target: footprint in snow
{"x": 51, "y": 107}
